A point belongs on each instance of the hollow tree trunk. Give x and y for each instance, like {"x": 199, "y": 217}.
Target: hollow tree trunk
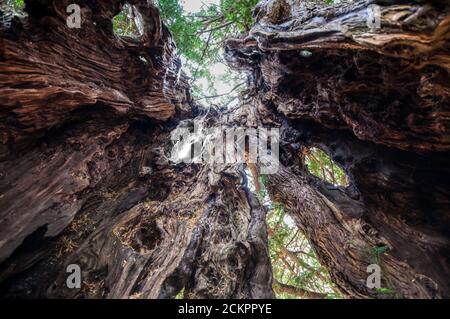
{"x": 377, "y": 101}
{"x": 85, "y": 125}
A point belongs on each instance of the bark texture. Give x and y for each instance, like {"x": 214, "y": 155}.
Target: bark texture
{"x": 377, "y": 101}
{"x": 86, "y": 118}
{"x": 85, "y": 130}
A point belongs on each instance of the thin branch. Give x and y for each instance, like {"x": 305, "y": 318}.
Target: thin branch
{"x": 301, "y": 252}
{"x": 205, "y": 49}
{"x": 297, "y": 291}
{"x": 216, "y": 28}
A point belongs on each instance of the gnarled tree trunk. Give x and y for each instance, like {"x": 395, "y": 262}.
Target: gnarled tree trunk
{"x": 377, "y": 100}
{"x": 86, "y": 121}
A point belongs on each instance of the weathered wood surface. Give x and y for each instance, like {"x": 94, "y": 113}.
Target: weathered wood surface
{"x": 387, "y": 85}
{"x": 85, "y": 128}
{"x": 49, "y": 70}
{"x": 377, "y": 101}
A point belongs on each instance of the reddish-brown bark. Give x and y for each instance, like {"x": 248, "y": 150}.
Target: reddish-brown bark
{"x": 377, "y": 101}
{"x": 85, "y": 128}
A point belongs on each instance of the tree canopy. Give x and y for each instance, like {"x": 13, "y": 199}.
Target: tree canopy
{"x": 200, "y": 37}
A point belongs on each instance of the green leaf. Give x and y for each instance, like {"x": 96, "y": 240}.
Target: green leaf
{"x": 384, "y": 291}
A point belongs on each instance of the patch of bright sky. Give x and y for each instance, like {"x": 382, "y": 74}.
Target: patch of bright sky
{"x": 192, "y": 6}
{"x": 218, "y": 70}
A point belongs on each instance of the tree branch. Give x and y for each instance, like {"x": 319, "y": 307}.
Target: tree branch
{"x": 297, "y": 291}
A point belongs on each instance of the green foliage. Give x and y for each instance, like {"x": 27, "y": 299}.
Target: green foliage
{"x": 184, "y": 29}
{"x": 379, "y": 250}
{"x": 385, "y": 291}
{"x": 128, "y": 22}
{"x": 15, "y": 6}
{"x": 261, "y": 194}
{"x": 294, "y": 262}
{"x": 239, "y": 13}
{"x": 200, "y": 37}
{"x": 377, "y": 253}
{"x": 263, "y": 180}
{"x": 321, "y": 165}
{"x": 124, "y": 25}
{"x": 180, "y": 295}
